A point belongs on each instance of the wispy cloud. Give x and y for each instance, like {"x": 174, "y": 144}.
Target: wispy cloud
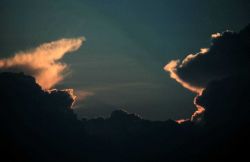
{"x": 43, "y": 62}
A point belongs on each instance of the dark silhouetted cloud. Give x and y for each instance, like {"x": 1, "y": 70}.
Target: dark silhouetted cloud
{"x": 226, "y": 101}
{"x": 227, "y": 56}
{"x": 38, "y": 125}
{"x": 34, "y": 122}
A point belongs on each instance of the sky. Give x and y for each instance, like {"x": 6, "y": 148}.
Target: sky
{"x": 128, "y": 43}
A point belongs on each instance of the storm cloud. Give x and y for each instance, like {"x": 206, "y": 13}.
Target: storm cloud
{"x": 227, "y": 56}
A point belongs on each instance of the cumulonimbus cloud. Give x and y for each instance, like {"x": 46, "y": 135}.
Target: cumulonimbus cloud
{"x": 228, "y": 55}
{"x": 43, "y": 62}
{"x": 172, "y": 67}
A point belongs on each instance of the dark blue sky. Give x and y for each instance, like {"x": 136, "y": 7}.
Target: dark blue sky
{"x": 128, "y": 44}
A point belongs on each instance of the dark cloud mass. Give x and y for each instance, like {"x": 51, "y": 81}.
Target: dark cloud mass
{"x": 228, "y": 55}
{"x": 38, "y": 125}
{"x": 35, "y": 122}
{"x": 226, "y": 101}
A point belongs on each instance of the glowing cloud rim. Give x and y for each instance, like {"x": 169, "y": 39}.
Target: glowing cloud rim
{"x": 172, "y": 68}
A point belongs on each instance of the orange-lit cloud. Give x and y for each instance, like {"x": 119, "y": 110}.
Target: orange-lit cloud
{"x": 43, "y": 62}
{"x": 197, "y": 115}
{"x": 171, "y": 67}
{"x": 216, "y": 35}
{"x": 180, "y": 121}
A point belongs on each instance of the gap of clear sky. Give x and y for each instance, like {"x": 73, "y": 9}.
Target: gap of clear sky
{"x": 128, "y": 44}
